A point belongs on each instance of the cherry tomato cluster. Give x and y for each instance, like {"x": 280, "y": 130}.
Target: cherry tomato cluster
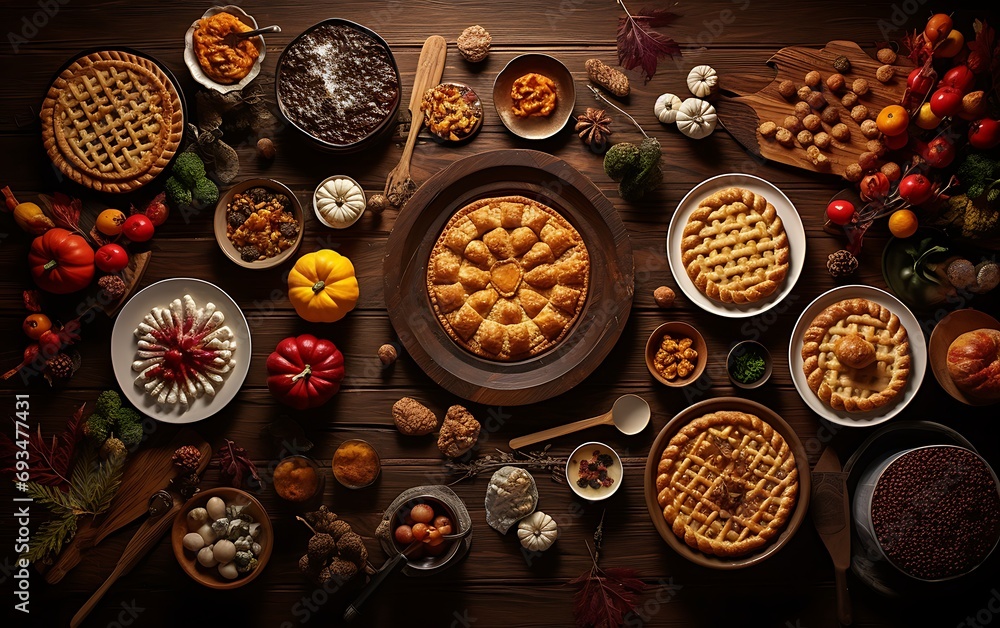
{"x": 422, "y": 523}
{"x": 139, "y": 227}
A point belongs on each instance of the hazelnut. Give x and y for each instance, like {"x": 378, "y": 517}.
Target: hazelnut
{"x": 860, "y": 87}
{"x": 813, "y": 78}
{"x": 474, "y": 43}
{"x": 849, "y": 100}
{"x": 802, "y": 109}
{"x": 816, "y": 101}
{"x": 853, "y": 172}
{"x": 812, "y": 122}
{"x": 869, "y": 129}
{"x": 387, "y": 354}
{"x": 859, "y": 113}
{"x": 793, "y": 124}
{"x": 787, "y": 89}
{"x": 822, "y": 140}
{"x": 664, "y": 296}
{"x": 886, "y": 55}
{"x": 805, "y": 138}
{"x": 891, "y": 170}
{"x": 265, "y": 148}
{"x": 784, "y": 136}
{"x": 830, "y": 115}
{"x": 766, "y": 129}
{"x": 840, "y": 132}
{"x": 885, "y": 73}
{"x": 836, "y": 82}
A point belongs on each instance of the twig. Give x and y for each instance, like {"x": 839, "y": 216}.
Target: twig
{"x": 603, "y": 98}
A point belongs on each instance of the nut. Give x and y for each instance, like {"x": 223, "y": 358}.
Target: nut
{"x": 842, "y": 64}
{"x": 664, "y": 296}
{"x": 787, "y": 89}
{"x": 813, "y": 78}
{"x": 413, "y": 418}
{"x": 474, "y": 43}
{"x": 860, "y": 87}
{"x": 265, "y": 148}
{"x": 387, "y": 354}
{"x": 885, "y": 73}
{"x": 836, "y": 82}
{"x": 377, "y": 203}
{"x": 607, "y": 77}
{"x": 886, "y": 55}
{"x": 459, "y": 432}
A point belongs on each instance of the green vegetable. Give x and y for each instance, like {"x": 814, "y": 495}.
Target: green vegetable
{"x": 620, "y": 160}
{"x": 189, "y": 169}
{"x": 112, "y": 418}
{"x": 205, "y": 192}
{"x": 177, "y": 194}
{"x": 977, "y": 172}
{"x": 636, "y": 168}
{"x": 748, "y": 367}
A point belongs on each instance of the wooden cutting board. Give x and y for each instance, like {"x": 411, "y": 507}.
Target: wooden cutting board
{"x": 742, "y": 114}
{"x": 147, "y": 471}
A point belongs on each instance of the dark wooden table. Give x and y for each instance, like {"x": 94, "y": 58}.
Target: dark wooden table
{"x": 494, "y": 586}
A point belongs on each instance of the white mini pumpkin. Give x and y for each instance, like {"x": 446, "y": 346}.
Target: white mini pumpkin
{"x": 702, "y": 80}
{"x": 696, "y": 118}
{"x": 666, "y": 108}
{"x": 339, "y": 202}
{"x": 537, "y": 532}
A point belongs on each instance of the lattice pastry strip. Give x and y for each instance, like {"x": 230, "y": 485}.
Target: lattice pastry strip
{"x": 734, "y": 247}
{"x": 727, "y": 483}
{"x": 856, "y": 356}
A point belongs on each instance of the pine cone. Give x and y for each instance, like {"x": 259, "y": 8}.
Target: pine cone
{"x": 594, "y": 127}
{"x": 186, "y": 458}
{"x": 187, "y": 485}
{"x": 841, "y": 263}
{"x": 60, "y": 366}
{"x": 112, "y": 286}
{"x": 607, "y": 77}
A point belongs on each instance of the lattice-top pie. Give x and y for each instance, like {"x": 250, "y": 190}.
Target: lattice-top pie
{"x": 112, "y": 121}
{"x": 508, "y": 277}
{"x": 734, "y": 247}
{"x": 856, "y": 355}
{"x": 727, "y": 483}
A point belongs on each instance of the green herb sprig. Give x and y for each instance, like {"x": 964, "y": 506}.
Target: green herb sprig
{"x": 748, "y": 367}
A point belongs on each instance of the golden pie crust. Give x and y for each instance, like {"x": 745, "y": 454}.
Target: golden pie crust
{"x": 734, "y": 247}
{"x": 508, "y": 278}
{"x": 856, "y": 356}
{"x": 727, "y": 483}
{"x": 112, "y": 121}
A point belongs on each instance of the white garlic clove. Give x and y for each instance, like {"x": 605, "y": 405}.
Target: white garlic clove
{"x": 216, "y": 508}
{"x": 193, "y": 541}
{"x": 229, "y": 571}
{"x": 224, "y": 551}
{"x": 207, "y": 533}
{"x": 206, "y": 557}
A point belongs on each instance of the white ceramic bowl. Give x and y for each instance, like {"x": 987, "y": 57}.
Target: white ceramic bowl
{"x": 585, "y": 451}
{"x": 191, "y": 60}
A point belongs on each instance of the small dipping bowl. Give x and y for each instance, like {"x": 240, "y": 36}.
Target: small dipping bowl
{"x": 676, "y": 329}
{"x": 356, "y": 464}
{"x": 535, "y": 127}
{"x": 586, "y": 452}
{"x": 470, "y": 97}
{"x": 227, "y": 246}
{"x": 749, "y": 348}
{"x": 297, "y": 479}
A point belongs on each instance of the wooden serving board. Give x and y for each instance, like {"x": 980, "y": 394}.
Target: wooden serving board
{"x": 742, "y": 114}
{"x": 146, "y": 472}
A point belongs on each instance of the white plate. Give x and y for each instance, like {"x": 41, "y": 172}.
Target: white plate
{"x": 789, "y": 219}
{"x": 124, "y": 344}
{"x": 918, "y": 356}
{"x": 191, "y": 59}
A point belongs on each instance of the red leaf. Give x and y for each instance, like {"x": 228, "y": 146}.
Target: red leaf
{"x": 235, "y": 465}
{"x": 31, "y": 300}
{"x": 66, "y": 211}
{"x": 50, "y": 461}
{"x": 639, "y": 46}
{"x": 606, "y": 596}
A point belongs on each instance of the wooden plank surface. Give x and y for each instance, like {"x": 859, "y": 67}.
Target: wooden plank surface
{"x": 494, "y": 585}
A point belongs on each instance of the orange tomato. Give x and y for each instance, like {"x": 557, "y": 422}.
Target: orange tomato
{"x": 937, "y": 27}
{"x": 420, "y": 531}
{"x": 903, "y": 223}
{"x": 35, "y": 325}
{"x": 892, "y": 120}
{"x": 110, "y": 221}
{"x": 951, "y": 46}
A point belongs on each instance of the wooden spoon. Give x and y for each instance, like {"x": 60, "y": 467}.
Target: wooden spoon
{"x": 430, "y": 67}
{"x": 630, "y": 415}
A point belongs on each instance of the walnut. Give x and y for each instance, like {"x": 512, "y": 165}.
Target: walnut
{"x": 859, "y": 114}
{"x": 891, "y": 170}
{"x": 787, "y": 89}
{"x": 875, "y": 146}
{"x": 869, "y": 129}
{"x": 413, "y": 418}
{"x": 853, "y": 172}
{"x": 830, "y": 115}
{"x": 784, "y": 137}
{"x": 804, "y": 92}
{"x": 813, "y": 78}
{"x": 802, "y": 109}
{"x": 822, "y": 140}
{"x": 793, "y": 124}
{"x": 886, "y": 55}
{"x": 840, "y": 132}
{"x": 387, "y": 354}
{"x": 849, "y": 100}
{"x": 665, "y": 296}
{"x": 885, "y": 73}
{"x": 474, "y": 43}
{"x": 860, "y": 87}
{"x": 812, "y": 122}
{"x": 805, "y": 138}
{"x": 868, "y": 160}
{"x": 459, "y": 432}
{"x": 836, "y": 82}
{"x": 767, "y": 129}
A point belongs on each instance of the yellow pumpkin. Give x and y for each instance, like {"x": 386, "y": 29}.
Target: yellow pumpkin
{"x": 322, "y": 286}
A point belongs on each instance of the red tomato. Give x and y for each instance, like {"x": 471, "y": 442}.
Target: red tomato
{"x": 111, "y": 258}
{"x": 35, "y": 325}
{"x": 138, "y": 228}
{"x": 916, "y": 189}
{"x": 918, "y": 84}
{"x": 946, "y": 101}
{"x": 157, "y": 212}
{"x": 960, "y": 77}
{"x": 840, "y": 211}
{"x": 896, "y": 142}
{"x": 939, "y": 153}
{"x": 874, "y": 186}
{"x": 50, "y": 344}
{"x": 984, "y": 134}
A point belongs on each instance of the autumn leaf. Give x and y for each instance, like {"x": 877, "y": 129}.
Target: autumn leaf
{"x": 50, "y": 461}
{"x": 639, "y": 45}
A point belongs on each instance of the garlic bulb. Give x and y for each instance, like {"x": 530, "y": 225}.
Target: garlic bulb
{"x": 339, "y": 202}
{"x": 537, "y": 532}
{"x": 696, "y": 118}
{"x": 666, "y": 108}
{"x": 702, "y": 80}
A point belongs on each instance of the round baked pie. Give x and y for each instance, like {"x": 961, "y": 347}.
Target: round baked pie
{"x": 727, "y": 483}
{"x": 112, "y": 121}
{"x": 734, "y": 247}
{"x": 856, "y": 356}
{"x": 508, "y": 277}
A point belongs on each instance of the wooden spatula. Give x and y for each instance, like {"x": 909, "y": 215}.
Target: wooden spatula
{"x": 430, "y": 67}
{"x": 831, "y": 516}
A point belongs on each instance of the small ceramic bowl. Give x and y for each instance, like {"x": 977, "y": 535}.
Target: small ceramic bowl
{"x": 188, "y": 560}
{"x": 676, "y": 329}
{"x": 220, "y": 223}
{"x": 320, "y": 217}
{"x": 741, "y": 348}
{"x": 191, "y": 59}
{"x": 535, "y": 127}
{"x": 586, "y": 452}
{"x": 472, "y": 99}
{"x": 426, "y": 561}
{"x": 346, "y": 481}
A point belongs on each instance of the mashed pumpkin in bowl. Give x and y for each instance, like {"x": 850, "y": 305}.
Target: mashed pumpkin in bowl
{"x": 222, "y": 63}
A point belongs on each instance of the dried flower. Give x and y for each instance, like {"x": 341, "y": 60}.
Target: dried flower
{"x": 841, "y": 263}
{"x": 235, "y": 465}
{"x": 594, "y": 127}
{"x": 112, "y": 286}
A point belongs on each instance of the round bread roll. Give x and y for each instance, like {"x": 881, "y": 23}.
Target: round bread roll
{"x": 974, "y": 363}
